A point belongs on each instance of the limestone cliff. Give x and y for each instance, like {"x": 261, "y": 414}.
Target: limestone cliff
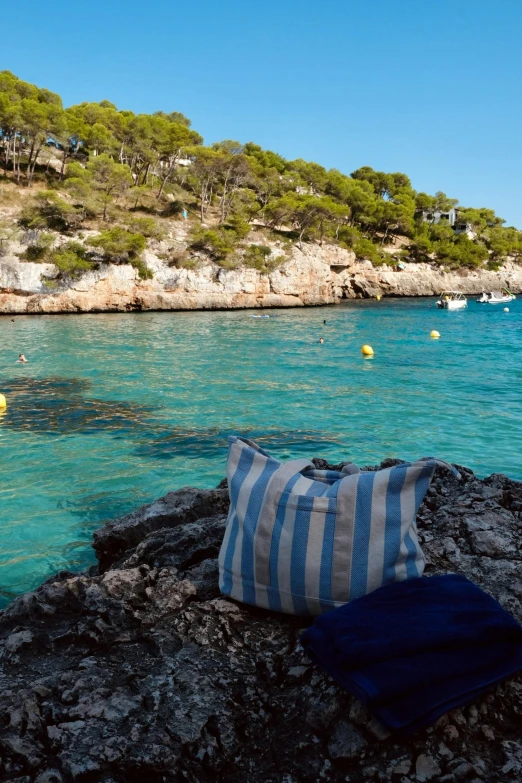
{"x": 311, "y": 276}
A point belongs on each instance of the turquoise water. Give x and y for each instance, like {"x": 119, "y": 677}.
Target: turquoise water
{"x": 113, "y": 411}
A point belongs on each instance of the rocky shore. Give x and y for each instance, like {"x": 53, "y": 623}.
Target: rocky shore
{"x": 311, "y": 276}
{"x": 140, "y": 671}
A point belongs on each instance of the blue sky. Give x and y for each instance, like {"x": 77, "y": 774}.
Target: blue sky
{"x": 432, "y": 89}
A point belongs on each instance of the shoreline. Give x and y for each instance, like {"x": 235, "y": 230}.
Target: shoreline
{"x": 313, "y": 276}
{"x": 244, "y": 308}
{"x": 139, "y": 668}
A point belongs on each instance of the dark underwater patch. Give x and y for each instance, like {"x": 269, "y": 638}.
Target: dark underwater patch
{"x": 97, "y": 507}
{"x": 58, "y": 406}
{"x": 209, "y": 443}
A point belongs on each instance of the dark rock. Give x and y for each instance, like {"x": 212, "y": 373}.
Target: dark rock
{"x": 49, "y": 776}
{"x": 176, "y": 508}
{"x": 426, "y": 768}
{"x": 346, "y": 742}
{"x": 139, "y": 670}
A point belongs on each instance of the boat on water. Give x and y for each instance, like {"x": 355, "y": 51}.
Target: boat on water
{"x": 497, "y": 297}
{"x": 452, "y": 300}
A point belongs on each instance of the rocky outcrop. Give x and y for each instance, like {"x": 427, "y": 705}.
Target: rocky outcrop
{"x": 139, "y": 670}
{"x": 311, "y": 276}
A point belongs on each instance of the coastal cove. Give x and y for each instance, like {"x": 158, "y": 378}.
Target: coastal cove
{"x": 114, "y": 410}
{"x": 245, "y": 384}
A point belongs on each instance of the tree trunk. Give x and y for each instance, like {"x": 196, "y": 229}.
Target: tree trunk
{"x": 224, "y": 196}
{"x": 33, "y": 166}
{"x": 202, "y": 208}
{"x": 7, "y": 153}
{"x": 28, "y": 169}
{"x": 164, "y": 182}
{"x": 16, "y": 162}
{"x": 64, "y": 160}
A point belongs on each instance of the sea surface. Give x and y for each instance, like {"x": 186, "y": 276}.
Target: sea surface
{"x": 114, "y": 410}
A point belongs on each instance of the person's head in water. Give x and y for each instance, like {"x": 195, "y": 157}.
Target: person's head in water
{"x": 324, "y": 320}
{"x": 21, "y": 358}
{"x": 321, "y": 340}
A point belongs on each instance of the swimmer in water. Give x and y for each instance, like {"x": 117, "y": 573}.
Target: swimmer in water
{"x": 21, "y": 358}
{"x": 321, "y": 340}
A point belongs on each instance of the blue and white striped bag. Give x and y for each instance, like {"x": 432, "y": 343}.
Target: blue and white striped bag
{"x": 304, "y": 541}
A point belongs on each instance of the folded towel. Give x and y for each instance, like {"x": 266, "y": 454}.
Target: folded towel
{"x": 413, "y": 650}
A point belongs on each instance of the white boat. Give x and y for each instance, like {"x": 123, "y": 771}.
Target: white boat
{"x": 452, "y": 300}
{"x": 497, "y": 297}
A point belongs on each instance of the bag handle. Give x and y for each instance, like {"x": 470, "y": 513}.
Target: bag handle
{"x": 441, "y": 463}
{"x": 331, "y": 476}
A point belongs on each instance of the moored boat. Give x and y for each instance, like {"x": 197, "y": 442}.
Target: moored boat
{"x": 452, "y": 300}
{"x": 497, "y": 297}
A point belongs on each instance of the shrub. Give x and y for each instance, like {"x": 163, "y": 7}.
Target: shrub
{"x": 215, "y": 243}
{"x": 71, "y": 259}
{"x": 51, "y": 211}
{"x": 364, "y": 249}
{"x": 182, "y": 260}
{"x": 349, "y": 236}
{"x": 218, "y": 243}
{"x": 144, "y": 272}
{"x": 118, "y": 245}
{"x": 259, "y": 257}
{"x": 173, "y": 208}
{"x": 146, "y": 226}
{"x": 39, "y": 249}
{"x": 239, "y": 226}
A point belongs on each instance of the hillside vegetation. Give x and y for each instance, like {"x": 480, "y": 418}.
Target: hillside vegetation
{"x": 95, "y": 183}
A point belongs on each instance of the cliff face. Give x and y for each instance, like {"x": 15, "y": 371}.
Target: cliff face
{"x": 312, "y": 276}
{"x": 139, "y": 670}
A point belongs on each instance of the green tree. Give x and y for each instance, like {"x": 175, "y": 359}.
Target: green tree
{"x": 204, "y": 176}
{"x": 305, "y": 213}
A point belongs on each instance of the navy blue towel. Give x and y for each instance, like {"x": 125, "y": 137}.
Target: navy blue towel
{"x": 413, "y": 650}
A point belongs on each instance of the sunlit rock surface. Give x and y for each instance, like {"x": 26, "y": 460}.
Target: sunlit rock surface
{"x": 312, "y": 276}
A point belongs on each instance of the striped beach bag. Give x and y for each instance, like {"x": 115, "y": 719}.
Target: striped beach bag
{"x": 304, "y": 541}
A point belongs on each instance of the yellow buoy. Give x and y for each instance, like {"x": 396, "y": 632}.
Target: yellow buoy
{"x": 434, "y": 334}
{"x": 378, "y": 297}
{"x": 367, "y": 350}
{"x": 3, "y": 402}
